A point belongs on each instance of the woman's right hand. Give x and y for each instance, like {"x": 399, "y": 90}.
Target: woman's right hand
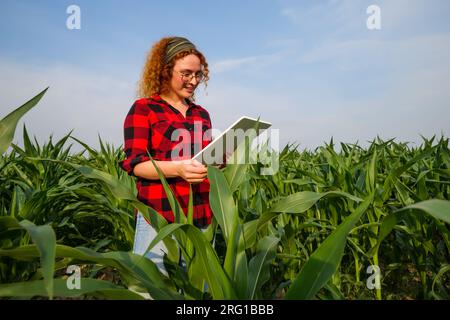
{"x": 192, "y": 171}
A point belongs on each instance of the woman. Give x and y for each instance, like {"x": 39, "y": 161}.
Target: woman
{"x": 157, "y": 124}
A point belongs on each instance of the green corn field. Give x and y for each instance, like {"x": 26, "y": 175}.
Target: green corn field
{"x": 358, "y": 223}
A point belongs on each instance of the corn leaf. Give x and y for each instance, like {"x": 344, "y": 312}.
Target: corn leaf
{"x": 218, "y": 281}
{"x": 259, "y": 266}
{"x": 221, "y": 201}
{"x": 93, "y": 287}
{"x": 9, "y": 123}
{"x": 439, "y": 209}
{"x": 322, "y": 264}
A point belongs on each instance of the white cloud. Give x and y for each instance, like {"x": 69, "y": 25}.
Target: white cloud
{"x": 230, "y": 64}
{"x": 421, "y": 51}
{"x": 414, "y": 100}
{"x": 91, "y": 103}
{"x": 415, "y": 70}
{"x": 332, "y": 15}
{"x": 257, "y": 62}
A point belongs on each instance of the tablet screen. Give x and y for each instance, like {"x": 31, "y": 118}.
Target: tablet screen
{"x": 230, "y": 139}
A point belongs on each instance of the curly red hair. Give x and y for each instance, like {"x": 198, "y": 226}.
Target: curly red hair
{"x": 156, "y": 75}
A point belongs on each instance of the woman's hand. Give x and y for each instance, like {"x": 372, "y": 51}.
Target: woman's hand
{"x": 192, "y": 171}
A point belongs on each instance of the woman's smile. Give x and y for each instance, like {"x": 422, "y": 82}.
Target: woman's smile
{"x": 189, "y": 89}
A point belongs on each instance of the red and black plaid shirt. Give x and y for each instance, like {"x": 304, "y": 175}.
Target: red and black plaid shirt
{"x": 151, "y": 125}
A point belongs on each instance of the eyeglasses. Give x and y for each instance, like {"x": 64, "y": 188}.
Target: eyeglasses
{"x": 187, "y": 77}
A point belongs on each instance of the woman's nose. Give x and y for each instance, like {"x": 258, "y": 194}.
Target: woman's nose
{"x": 193, "y": 81}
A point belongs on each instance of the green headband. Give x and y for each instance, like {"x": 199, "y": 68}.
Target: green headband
{"x": 175, "y": 46}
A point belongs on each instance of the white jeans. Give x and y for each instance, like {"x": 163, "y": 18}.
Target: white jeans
{"x": 143, "y": 236}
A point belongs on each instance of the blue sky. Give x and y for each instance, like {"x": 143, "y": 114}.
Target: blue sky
{"x": 312, "y": 68}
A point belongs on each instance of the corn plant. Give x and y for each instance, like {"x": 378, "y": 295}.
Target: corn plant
{"x": 307, "y": 232}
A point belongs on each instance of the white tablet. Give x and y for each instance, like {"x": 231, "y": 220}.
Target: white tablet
{"x": 229, "y": 140}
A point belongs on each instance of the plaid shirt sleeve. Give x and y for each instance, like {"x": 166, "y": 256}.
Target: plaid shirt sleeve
{"x": 137, "y": 135}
